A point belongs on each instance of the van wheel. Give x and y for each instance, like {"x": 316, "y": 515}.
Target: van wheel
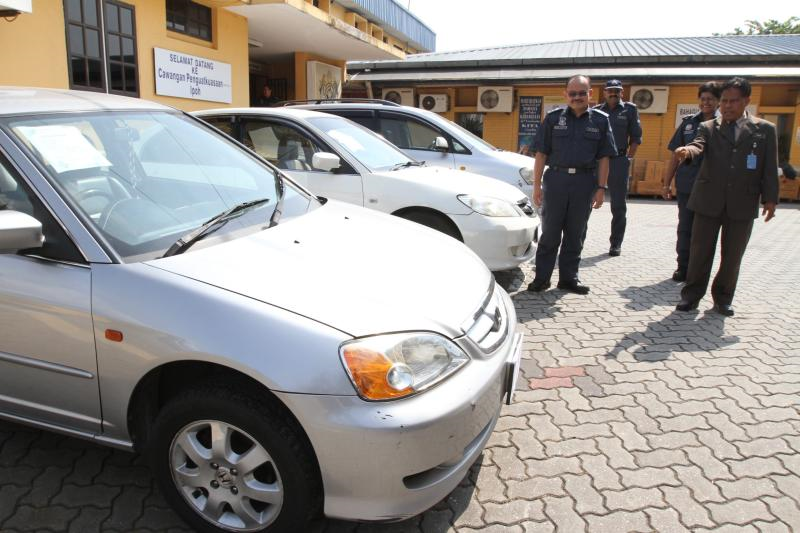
{"x": 435, "y": 221}
{"x": 227, "y": 461}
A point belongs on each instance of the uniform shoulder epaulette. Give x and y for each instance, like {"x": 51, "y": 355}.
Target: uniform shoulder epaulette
{"x": 630, "y": 104}
{"x": 600, "y": 111}
{"x": 556, "y": 110}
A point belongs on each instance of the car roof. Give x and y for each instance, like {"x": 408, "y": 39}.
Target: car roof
{"x": 291, "y": 112}
{"x": 355, "y": 105}
{"x": 30, "y": 100}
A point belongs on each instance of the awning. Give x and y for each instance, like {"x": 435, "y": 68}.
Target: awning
{"x": 630, "y": 74}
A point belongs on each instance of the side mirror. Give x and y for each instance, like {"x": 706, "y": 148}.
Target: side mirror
{"x": 19, "y": 231}
{"x": 325, "y": 161}
{"x": 440, "y": 143}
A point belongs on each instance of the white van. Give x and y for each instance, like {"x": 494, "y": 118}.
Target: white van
{"x": 417, "y": 132}
{"x": 339, "y": 159}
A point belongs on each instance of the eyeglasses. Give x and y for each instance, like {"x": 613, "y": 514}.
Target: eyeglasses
{"x": 574, "y": 94}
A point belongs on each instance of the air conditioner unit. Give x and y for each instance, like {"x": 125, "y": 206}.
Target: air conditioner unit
{"x": 403, "y": 96}
{"x": 437, "y": 103}
{"x": 651, "y": 98}
{"x": 495, "y": 99}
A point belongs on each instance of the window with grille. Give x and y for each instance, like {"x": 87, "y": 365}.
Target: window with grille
{"x": 189, "y": 18}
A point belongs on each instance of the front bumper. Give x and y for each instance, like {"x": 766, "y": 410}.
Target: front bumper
{"x": 385, "y": 461}
{"x": 502, "y": 242}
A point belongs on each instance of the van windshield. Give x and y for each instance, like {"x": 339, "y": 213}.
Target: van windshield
{"x": 370, "y": 149}
{"x": 144, "y": 179}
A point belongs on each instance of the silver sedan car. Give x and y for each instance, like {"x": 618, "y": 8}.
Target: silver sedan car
{"x": 273, "y": 353}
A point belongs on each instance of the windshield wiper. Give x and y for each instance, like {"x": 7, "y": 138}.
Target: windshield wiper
{"x": 210, "y": 226}
{"x": 276, "y": 215}
{"x": 407, "y": 164}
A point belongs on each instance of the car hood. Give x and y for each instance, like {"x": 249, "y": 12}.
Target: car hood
{"x": 457, "y": 182}
{"x": 359, "y": 271}
{"x": 514, "y": 159}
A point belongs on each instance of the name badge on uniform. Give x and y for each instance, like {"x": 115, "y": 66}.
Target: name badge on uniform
{"x": 752, "y": 161}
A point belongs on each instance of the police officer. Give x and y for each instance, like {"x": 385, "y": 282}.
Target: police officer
{"x": 708, "y": 93}
{"x": 624, "y": 119}
{"x": 575, "y": 143}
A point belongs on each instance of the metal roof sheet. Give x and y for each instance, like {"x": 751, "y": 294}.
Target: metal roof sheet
{"x": 729, "y": 48}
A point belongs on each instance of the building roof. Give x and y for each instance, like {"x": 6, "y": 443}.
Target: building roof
{"x": 774, "y": 49}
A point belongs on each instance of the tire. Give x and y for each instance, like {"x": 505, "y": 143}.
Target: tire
{"x": 434, "y": 221}
{"x": 214, "y": 490}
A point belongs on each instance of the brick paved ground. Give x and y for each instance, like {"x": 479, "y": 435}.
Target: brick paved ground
{"x": 630, "y": 417}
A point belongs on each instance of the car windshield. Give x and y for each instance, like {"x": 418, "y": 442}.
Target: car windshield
{"x": 145, "y": 179}
{"x": 370, "y": 149}
{"x": 472, "y": 137}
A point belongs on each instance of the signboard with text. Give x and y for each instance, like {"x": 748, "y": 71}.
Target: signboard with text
{"x": 190, "y": 76}
{"x": 530, "y": 116}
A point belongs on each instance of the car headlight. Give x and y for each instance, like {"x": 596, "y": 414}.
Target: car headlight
{"x": 490, "y": 207}
{"x": 387, "y": 367}
{"x": 526, "y": 173}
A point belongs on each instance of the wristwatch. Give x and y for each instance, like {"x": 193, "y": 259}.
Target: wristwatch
{"x": 604, "y": 187}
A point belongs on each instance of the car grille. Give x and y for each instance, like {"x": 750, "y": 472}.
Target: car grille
{"x": 488, "y": 327}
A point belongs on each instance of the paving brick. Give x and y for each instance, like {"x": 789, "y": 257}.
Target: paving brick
{"x": 550, "y": 383}
{"x": 538, "y": 527}
{"x": 560, "y": 414}
{"x": 739, "y": 512}
{"x": 588, "y": 387}
{"x": 618, "y": 457}
{"x": 756, "y": 467}
{"x": 721, "y": 448}
{"x": 763, "y": 447}
{"x": 511, "y": 466}
{"x": 744, "y": 399}
{"x": 768, "y": 430}
{"x": 27, "y": 518}
{"x": 785, "y": 509}
{"x": 665, "y": 520}
{"x": 513, "y": 512}
{"x": 544, "y": 427}
{"x": 535, "y": 487}
{"x": 467, "y": 511}
{"x": 639, "y": 417}
{"x": 527, "y": 444}
{"x": 564, "y": 372}
{"x": 692, "y": 513}
{"x": 661, "y": 458}
{"x": 683, "y": 423}
{"x": 9, "y": 496}
{"x": 672, "y": 440}
{"x": 791, "y": 462}
{"x": 522, "y": 409}
{"x": 504, "y": 423}
{"x": 555, "y": 466}
{"x": 634, "y": 499}
{"x": 126, "y": 509}
{"x": 729, "y": 430}
{"x": 612, "y": 402}
{"x": 789, "y": 485}
{"x": 771, "y": 527}
{"x": 587, "y": 499}
{"x": 576, "y": 402}
{"x": 748, "y": 488}
{"x": 648, "y": 477}
{"x": 734, "y": 412}
{"x": 604, "y": 477}
{"x": 489, "y": 485}
{"x": 712, "y": 467}
{"x": 586, "y": 431}
{"x": 570, "y": 447}
{"x": 619, "y": 521}
{"x": 89, "y": 520}
{"x": 775, "y": 414}
{"x": 437, "y": 521}
{"x": 562, "y": 512}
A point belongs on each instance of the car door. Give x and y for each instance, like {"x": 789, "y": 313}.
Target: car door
{"x": 48, "y": 363}
{"x": 416, "y": 138}
{"x": 291, "y": 149}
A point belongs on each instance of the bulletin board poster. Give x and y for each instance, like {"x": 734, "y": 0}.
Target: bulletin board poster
{"x": 530, "y": 116}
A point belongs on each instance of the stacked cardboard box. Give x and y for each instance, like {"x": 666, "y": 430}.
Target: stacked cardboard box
{"x": 651, "y": 184}
{"x": 790, "y": 189}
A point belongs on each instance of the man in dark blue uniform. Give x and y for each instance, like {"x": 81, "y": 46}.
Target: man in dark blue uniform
{"x": 708, "y": 93}
{"x": 575, "y": 143}
{"x": 624, "y": 119}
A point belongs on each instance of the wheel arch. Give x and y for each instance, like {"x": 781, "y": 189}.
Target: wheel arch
{"x": 453, "y": 228}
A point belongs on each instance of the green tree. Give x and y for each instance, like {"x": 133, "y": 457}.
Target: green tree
{"x": 768, "y": 27}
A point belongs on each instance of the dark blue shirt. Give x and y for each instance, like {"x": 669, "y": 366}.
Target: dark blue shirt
{"x": 625, "y": 124}
{"x": 686, "y": 132}
{"x": 570, "y": 141}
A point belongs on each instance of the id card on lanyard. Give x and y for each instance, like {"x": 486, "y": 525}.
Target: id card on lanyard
{"x": 752, "y": 159}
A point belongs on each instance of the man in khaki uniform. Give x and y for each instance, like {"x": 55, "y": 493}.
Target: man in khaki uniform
{"x": 740, "y": 164}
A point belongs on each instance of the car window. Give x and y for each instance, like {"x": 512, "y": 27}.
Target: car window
{"x": 15, "y": 195}
{"x": 365, "y": 118}
{"x": 361, "y": 143}
{"x": 408, "y": 133}
{"x": 284, "y": 146}
{"x": 223, "y": 124}
{"x": 144, "y": 179}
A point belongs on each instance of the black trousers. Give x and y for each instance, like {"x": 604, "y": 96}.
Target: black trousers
{"x": 618, "y": 171}
{"x": 705, "y": 231}
{"x": 685, "y": 218}
{"x": 565, "y": 212}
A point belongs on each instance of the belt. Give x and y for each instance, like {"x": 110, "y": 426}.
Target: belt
{"x": 573, "y": 170}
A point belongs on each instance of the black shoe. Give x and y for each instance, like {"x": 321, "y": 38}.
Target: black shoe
{"x": 539, "y": 285}
{"x": 724, "y": 309}
{"x": 614, "y": 251}
{"x": 679, "y": 275}
{"x": 687, "y": 305}
{"x": 573, "y": 286}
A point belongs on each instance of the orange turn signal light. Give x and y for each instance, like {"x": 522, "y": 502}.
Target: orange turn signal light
{"x": 114, "y": 335}
{"x": 369, "y": 370}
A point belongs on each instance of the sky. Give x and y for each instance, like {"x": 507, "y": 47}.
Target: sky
{"x": 469, "y": 24}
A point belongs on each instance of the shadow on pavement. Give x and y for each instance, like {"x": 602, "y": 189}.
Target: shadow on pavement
{"x": 587, "y": 262}
{"x": 510, "y": 280}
